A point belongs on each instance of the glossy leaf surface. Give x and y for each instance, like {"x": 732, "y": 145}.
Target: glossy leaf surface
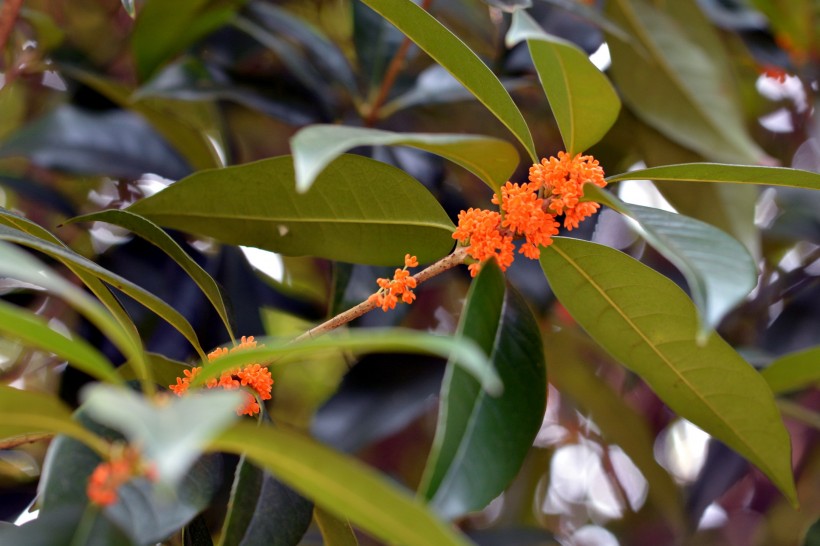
{"x": 339, "y": 484}
{"x": 451, "y": 53}
{"x": 718, "y": 269}
{"x": 733, "y": 174}
{"x": 316, "y": 146}
{"x": 674, "y": 83}
{"x": 344, "y": 217}
{"x": 480, "y": 435}
{"x": 581, "y": 98}
{"x": 263, "y": 510}
{"x": 648, "y": 324}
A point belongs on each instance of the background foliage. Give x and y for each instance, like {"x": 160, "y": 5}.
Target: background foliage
{"x": 151, "y": 146}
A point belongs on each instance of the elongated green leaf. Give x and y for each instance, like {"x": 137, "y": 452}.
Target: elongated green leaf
{"x": 733, "y": 174}
{"x": 674, "y": 84}
{"x": 153, "y": 234}
{"x": 462, "y": 352}
{"x": 13, "y": 220}
{"x": 335, "y": 532}
{"x": 571, "y": 362}
{"x": 581, "y": 98}
{"x": 17, "y": 264}
{"x": 718, "y": 269}
{"x": 478, "y": 435}
{"x": 35, "y": 332}
{"x": 166, "y": 433}
{"x": 648, "y": 324}
{"x": 163, "y": 29}
{"x": 263, "y": 510}
{"x": 316, "y": 146}
{"x": 794, "y": 371}
{"x": 359, "y": 210}
{"x": 66, "y": 256}
{"x": 23, "y": 412}
{"x": 451, "y": 53}
{"x": 341, "y": 485}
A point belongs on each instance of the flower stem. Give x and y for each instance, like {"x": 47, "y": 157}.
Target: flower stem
{"x": 448, "y": 262}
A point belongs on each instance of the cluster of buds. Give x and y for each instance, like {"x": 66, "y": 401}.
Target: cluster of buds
{"x": 123, "y": 465}
{"x": 255, "y": 377}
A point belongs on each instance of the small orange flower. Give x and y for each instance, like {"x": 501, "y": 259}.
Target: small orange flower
{"x": 773, "y": 72}
{"x": 562, "y": 179}
{"x": 481, "y": 230}
{"x": 525, "y": 214}
{"x": 254, "y": 376}
{"x": 401, "y": 284}
{"x": 109, "y": 476}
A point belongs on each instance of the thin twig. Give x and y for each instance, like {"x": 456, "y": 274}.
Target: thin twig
{"x": 17, "y": 441}
{"x": 8, "y": 16}
{"x": 448, "y": 262}
{"x": 393, "y": 70}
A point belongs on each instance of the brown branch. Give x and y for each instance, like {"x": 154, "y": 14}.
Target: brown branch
{"x": 8, "y": 16}
{"x": 11, "y": 443}
{"x": 393, "y": 70}
{"x": 448, "y": 262}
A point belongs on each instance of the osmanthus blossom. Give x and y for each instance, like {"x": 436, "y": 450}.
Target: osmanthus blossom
{"x": 255, "y": 377}
{"x": 124, "y": 464}
{"x": 527, "y": 211}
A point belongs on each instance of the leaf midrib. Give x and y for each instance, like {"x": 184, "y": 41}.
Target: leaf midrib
{"x": 268, "y": 219}
{"x": 761, "y": 460}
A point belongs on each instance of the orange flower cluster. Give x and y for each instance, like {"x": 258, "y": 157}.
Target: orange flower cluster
{"x": 401, "y": 284}
{"x": 528, "y": 210}
{"x": 109, "y": 476}
{"x": 254, "y": 376}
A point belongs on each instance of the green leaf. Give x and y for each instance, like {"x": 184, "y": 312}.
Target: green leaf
{"x": 163, "y": 29}
{"x": 64, "y": 527}
{"x": 146, "y": 513}
{"x": 793, "y": 371}
{"x": 262, "y": 510}
{"x": 166, "y": 433}
{"x": 581, "y": 98}
{"x": 316, "y": 146}
{"x": 451, "y": 53}
{"x": 718, "y": 269}
{"x": 359, "y": 210}
{"x": 339, "y": 484}
{"x": 144, "y": 297}
{"x": 35, "y": 332}
{"x": 153, "y": 234}
{"x": 17, "y": 264}
{"x": 24, "y": 412}
{"x": 733, "y": 174}
{"x": 335, "y": 532}
{"x": 668, "y": 78}
{"x": 571, "y": 361}
{"x": 478, "y": 435}
{"x": 462, "y": 352}
{"x": 649, "y": 325}
{"x": 94, "y": 284}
